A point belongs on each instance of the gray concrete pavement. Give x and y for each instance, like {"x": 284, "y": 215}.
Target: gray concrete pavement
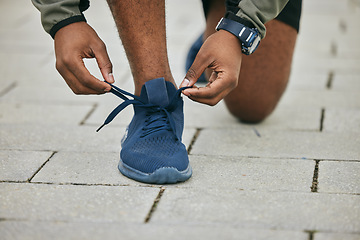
{"x": 294, "y": 176}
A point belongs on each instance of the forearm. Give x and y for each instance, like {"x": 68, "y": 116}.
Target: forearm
{"x": 255, "y": 12}
{"x": 56, "y": 14}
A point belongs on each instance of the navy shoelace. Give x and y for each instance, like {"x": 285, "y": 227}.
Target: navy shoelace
{"x": 158, "y": 117}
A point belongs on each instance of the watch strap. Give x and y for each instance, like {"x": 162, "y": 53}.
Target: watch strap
{"x": 249, "y": 37}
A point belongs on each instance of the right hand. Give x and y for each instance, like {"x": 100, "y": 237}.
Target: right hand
{"x": 73, "y": 43}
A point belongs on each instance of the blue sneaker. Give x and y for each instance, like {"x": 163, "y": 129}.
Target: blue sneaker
{"x": 191, "y": 57}
{"x": 152, "y": 151}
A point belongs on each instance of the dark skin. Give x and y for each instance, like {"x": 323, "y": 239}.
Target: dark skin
{"x": 263, "y": 76}
{"x": 251, "y": 85}
{"x": 148, "y": 61}
{"x": 73, "y": 43}
{"x": 221, "y": 54}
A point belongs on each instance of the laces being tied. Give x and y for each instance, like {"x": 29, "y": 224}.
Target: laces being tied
{"x": 158, "y": 117}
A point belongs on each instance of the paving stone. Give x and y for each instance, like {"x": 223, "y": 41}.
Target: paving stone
{"x": 258, "y": 209}
{"x": 62, "y": 230}
{"x": 28, "y": 62}
{"x": 283, "y": 118}
{"x": 6, "y": 87}
{"x": 20, "y": 165}
{"x": 250, "y": 173}
{"x": 75, "y": 203}
{"x": 346, "y": 82}
{"x": 35, "y": 94}
{"x": 313, "y": 145}
{"x": 336, "y": 236}
{"x": 66, "y": 137}
{"x": 273, "y": 204}
{"x": 342, "y": 120}
{"x": 339, "y": 177}
{"x": 103, "y": 110}
{"x": 58, "y": 138}
{"x": 43, "y": 113}
{"x": 343, "y": 66}
{"x": 83, "y": 168}
{"x": 332, "y": 7}
{"x": 305, "y": 81}
{"x": 325, "y": 98}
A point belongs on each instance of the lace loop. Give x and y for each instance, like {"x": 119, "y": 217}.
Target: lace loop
{"x": 159, "y": 118}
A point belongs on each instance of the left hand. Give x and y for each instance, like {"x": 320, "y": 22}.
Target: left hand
{"x": 221, "y": 53}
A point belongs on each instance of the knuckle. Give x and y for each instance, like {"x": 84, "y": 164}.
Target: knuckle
{"x": 77, "y": 91}
{"x": 212, "y": 102}
{"x": 59, "y": 66}
{"x": 100, "y": 45}
{"x": 107, "y": 65}
{"x": 191, "y": 73}
{"x": 66, "y": 60}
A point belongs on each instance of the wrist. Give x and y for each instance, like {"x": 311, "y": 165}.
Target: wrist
{"x": 66, "y": 22}
{"x": 249, "y": 37}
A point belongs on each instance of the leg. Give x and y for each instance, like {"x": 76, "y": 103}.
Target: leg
{"x": 264, "y": 74}
{"x": 151, "y": 150}
{"x": 141, "y": 26}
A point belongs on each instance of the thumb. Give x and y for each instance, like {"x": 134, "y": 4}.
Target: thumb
{"x": 105, "y": 65}
{"x": 197, "y": 68}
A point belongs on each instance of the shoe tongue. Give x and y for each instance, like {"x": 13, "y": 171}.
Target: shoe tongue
{"x": 157, "y": 92}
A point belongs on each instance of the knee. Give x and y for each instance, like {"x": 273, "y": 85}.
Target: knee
{"x": 251, "y": 114}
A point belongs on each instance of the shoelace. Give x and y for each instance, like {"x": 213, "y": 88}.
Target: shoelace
{"x": 155, "y": 121}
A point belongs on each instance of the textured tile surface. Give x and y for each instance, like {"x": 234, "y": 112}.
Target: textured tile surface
{"x": 75, "y": 203}
{"x": 278, "y": 144}
{"x": 16, "y": 165}
{"x": 250, "y": 209}
{"x": 217, "y": 172}
{"x": 249, "y": 182}
{"x": 100, "y": 230}
{"x": 342, "y": 120}
{"x": 339, "y": 177}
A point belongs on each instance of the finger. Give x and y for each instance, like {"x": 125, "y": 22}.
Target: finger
{"x": 212, "y": 93}
{"x": 104, "y": 63}
{"x": 199, "y": 65}
{"x": 78, "y": 69}
{"x": 75, "y": 85}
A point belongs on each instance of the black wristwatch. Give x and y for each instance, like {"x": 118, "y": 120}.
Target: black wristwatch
{"x": 249, "y": 37}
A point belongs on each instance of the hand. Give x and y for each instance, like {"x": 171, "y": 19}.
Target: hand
{"x": 73, "y": 43}
{"x": 221, "y": 53}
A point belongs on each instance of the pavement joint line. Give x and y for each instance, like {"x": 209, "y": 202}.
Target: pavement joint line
{"x": 333, "y": 49}
{"x": 92, "y": 110}
{"x": 269, "y": 157}
{"x": 311, "y": 234}
{"x": 315, "y": 181}
{"x": 79, "y": 184}
{"x": 194, "y": 138}
{"x": 154, "y": 206}
{"x": 322, "y": 118}
{"x": 330, "y": 79}
{"x": 7, "y": 89}
{"x": 155, "y": 186}
{"x": 281, "y": 158}
{"x": 342, "y": 26}
{"x": 42, "y": 165}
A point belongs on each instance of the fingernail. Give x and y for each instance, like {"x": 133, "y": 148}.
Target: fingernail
{"x": 107, "y": 89}
{"x": 186, "y": 93}
{"x": 185, "y": 83}
{"x": 111, "y": 77}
